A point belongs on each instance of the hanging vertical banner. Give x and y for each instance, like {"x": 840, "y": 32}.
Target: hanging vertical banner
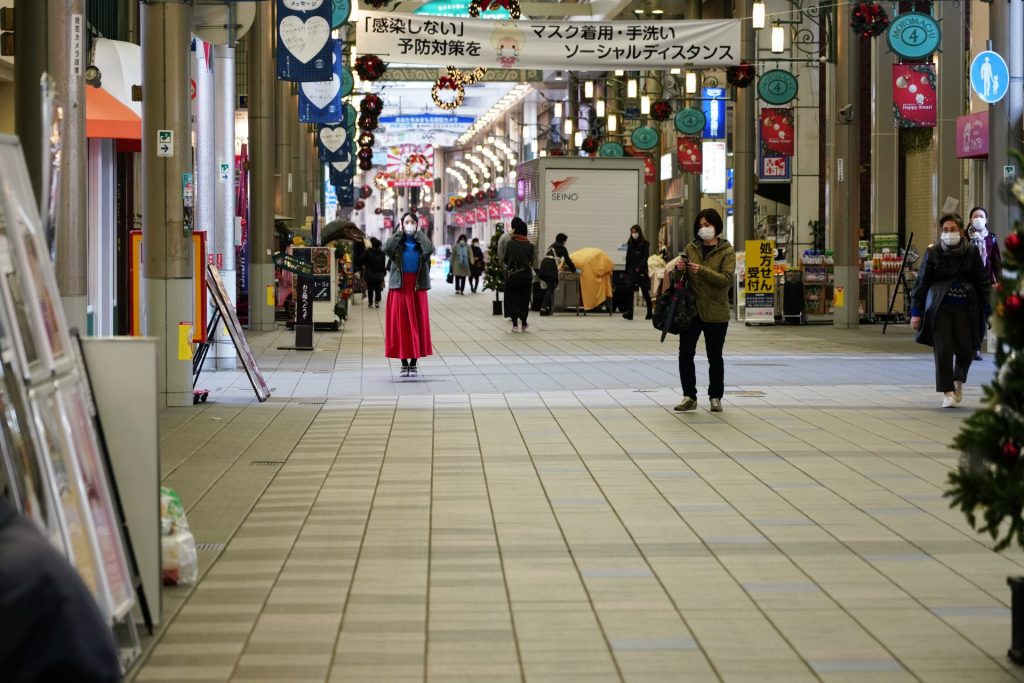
{"x": 320, "y": 101}
{"x": 493, "y": 210}
{"x": 690, "y": 154}
{"x": 334, "y": 143}
{"x": 913, "y": 95}
{"x": 508, "y": 209}
{"x": 713, "y": 106}
{"x": 759, "y": 281}
{"x": 772, "y": 167}
{"x": 304, "y": 40}
{"x": 346, "y": 195}
{"x": 777, "y": 131}
{"x": 972, "y": 136}
{"x": 481, "y": 214}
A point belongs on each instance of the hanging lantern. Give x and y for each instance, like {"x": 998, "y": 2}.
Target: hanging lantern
{"x": 365, "y": 191}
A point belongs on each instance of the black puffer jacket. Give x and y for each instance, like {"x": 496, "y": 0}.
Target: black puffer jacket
{"x": 940, "y": 268}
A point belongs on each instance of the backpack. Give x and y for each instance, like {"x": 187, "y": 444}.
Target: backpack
{"x": 518, "y": 273}
{"x": 685, "y": 308}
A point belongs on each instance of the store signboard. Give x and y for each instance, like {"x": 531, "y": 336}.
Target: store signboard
{"x": 493, "y": 210}
{"x": 972, "y": 136}
{"x": 481, "y": 214}
{"x": 508, "y": 209}
{"x": 713, "y": 106}
{"x": 410, "y": 165}
{"x": 714, "y": 177}
{"x": 759, "y": 288}
{"x": 539, "y": 44}
{"x": 913, "y": 95}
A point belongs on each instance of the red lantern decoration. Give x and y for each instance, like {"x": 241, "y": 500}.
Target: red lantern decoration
{"x": 741, "y": 76}
{"x": 365, "y": 191}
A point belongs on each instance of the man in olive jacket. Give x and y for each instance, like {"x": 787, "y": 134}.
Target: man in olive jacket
{"x": 710, "y": 263}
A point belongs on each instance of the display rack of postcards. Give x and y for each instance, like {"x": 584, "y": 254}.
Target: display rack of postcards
{"x": 57, "y": 474}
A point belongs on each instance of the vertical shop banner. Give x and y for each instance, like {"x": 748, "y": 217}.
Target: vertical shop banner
{"x": 304, "y": 40}
{"x": 481, "y": 214}
{"x": 691, "y": 155}
{"x": 713, "y": 106}
{"x": 777, "y": 132}
{"x": 493, "y": 210}
{"x": 759, "y": 277}
{"x": 972, "y": 136}
{"x": 346, "y": 195}
{"x": 508, "y": 209}
{"x": 320, "y": 101}
{"x": 334, "y": 143}
{"x": 537, "y": 44}
{"x": 459, "y": 220}
{"x": 410, "y": 166}
{"x": 913, "y": 95}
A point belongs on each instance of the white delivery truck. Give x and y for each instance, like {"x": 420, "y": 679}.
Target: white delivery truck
{"x": 592, "y": 200}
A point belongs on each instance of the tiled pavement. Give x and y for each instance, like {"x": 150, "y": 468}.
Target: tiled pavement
{"x": 531, "y": 509}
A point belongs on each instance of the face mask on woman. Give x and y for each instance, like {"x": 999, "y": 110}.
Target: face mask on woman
{"x": 706, "y": 233}
{"x": 409, "y": 228}
{"x": 951, "y": 239}
{"x": 979, "y": 223}
{"x": 634, "y": 235}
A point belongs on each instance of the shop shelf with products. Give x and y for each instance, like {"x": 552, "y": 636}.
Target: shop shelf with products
{"x": 818, "y": 279}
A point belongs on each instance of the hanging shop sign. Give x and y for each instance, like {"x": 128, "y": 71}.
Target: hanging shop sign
{"x": 410, "y": 165}
{"x": 493, "y": 210}
{"x": 346, "y": 195}
{"x": 611, "y": 149}
{"x": 427, "y": 121}
{"x": 508, "y": 209}
{"x": 574, "y": 45}
{"x": 320, "y": 101}
{"x": 777, "y": 131}
{"x": 304, "y": 40}
{"x": 690, "y": 155}
{"x": 713, "y": 106}
{"x": 645, "y": 138}
{"x": 690, "y": 121}
{"x": 772, "y": 168}
{"x": 914, "y": 35}
{"x": 990, "y": 77}
{"x": 481, "y": 214}
{"x": 334, "y": 143}
{"x": 777, "y": 86}
{"x": 913, "y": 95}
{"x": 972, "y": 136}
{"x": 759, "y": 279}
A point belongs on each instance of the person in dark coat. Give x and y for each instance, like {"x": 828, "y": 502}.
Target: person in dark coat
{"x": 519, "y": 275}
{"x": 988, "y": 247}
{"x": 950, "y": 296}
{"x": 476, "y": 265}
{"x": 638, "y": 250}
{"x": 555, "y": 258}
{"x": 51, "y": 628}
{"x": 373, "y": 263}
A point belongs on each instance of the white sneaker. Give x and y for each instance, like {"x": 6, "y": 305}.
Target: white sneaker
{"x": 515, "y": 328}
{"x": 958, "y": 390}
{"x": 949, "y": 400}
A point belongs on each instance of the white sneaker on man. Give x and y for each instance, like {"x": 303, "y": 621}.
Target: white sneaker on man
{"x": 958, "y": 390}
{"x": 949, "y": 400}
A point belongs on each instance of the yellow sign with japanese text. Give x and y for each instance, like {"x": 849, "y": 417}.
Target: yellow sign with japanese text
{"x": 759, "y": 281}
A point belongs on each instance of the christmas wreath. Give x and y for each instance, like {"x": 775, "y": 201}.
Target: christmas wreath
{"x": 366, "y": 139}
{"x": 365, "y": 153}
{"x": 590, "y": 144}
{"x": 492, "y": 193}
{"x": 458, "y": 202}
{"x": 365, "y": 191}
{"x": 455, "y": 81}
{"x": 469, "y": 200}
{"x": 477, "y": 6}
{"x": 371, "y": 104}
{"x": 370, "y": 67}
{"x": 366, "y": 164}
{"x": 360, "y": 205}
{"x": 869, "y": 19}
{"x": 661, "y": 110}
{"x": 480, "y": 196}
{"x": 368, "y": 122}
{"x": 740, "y": 76}
{"x": 378, "y": 211}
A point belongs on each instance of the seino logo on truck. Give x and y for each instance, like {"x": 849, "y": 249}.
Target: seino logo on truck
{"x": 558, "y": 187}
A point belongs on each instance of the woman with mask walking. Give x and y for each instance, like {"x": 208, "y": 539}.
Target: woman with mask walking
{"x": 950, "y": 296}
{"x": 476, "y": 266}
{"x": 710, "y": 263}
{"x": 407, "y": 328}
{"x": 518, "y": 275}
{"x": 638, "y": 250}
{"x": 460, "y": 264}
{"x": 988, "y": 247}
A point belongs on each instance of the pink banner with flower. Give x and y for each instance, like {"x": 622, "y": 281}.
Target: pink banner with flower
{"x": 508, "y": 209}
{"x": 972, "y": 136}
{"x": 913, "y": 95}
{"x": 493, "y": 210}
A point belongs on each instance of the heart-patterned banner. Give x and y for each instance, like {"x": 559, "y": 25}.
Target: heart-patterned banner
{"x": 343, "y": 176}
{"x": 320, "y": 101}
{"x": 304, "y": 46}
{"x": 346, "y": 195}
{"x": 335, "y": 143}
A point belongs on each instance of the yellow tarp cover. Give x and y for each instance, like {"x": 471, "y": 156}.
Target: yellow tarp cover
{"x": 596, "y": 278}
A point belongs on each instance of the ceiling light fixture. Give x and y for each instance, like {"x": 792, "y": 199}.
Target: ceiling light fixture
{"x": 631, "y": 87}
{"x": 645, "y": 105}
{"x": 588, "y": 89}
{"x": 599, "y": 108}
{"x": 758, "y": 14}
{"x": 691, "y": 82}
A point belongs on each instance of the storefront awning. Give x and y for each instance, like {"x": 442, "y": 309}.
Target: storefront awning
{"x": 106, "y": 117}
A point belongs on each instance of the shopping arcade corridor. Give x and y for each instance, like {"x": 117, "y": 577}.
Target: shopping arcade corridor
{"x": 532, "y": 509}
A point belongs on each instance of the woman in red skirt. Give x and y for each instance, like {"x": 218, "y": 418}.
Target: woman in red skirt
{"x": 407, "y": 328}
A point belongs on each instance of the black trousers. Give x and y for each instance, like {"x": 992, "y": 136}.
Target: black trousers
{"x": 474, "y": 282}
{"x": 460, "y": 283}
{"x": 714, "y": 342}
{"x": 646, "y": 291}
{"x": 549, "y": 298}
{"x": 517, "y": 301}
{"x": 953, "y": 345}
{"x": 373, "y": 292}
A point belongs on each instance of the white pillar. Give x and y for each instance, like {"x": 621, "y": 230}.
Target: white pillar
{"x": 224, "y": 106}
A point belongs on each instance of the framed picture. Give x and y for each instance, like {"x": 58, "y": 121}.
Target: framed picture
{"x": 79, "y": 537}
{"x": 81, "y": 434}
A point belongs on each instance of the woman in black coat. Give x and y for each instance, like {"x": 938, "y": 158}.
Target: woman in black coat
{"x": 950, "y": 296}
{"x": 638, "y": 249}
{"x": 518, "y": 275}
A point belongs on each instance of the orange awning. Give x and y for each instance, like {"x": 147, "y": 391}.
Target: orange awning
{"x": 106, "y": 117}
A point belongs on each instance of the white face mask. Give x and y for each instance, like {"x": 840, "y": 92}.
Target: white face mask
{"x": 634, "y": 235}
{"x": 951, "y": 239}
{"x": 409, "y": 228}
{"x": 706, "y": 233}
{"x": 979, "y": 223}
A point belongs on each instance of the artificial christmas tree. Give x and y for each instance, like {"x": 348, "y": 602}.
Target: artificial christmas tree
{"x": 494, "y": 272}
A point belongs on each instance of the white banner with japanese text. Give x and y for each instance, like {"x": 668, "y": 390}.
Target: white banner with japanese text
{"x": 527, "y": 44}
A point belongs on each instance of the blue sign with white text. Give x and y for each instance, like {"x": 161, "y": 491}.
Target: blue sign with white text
{"x": 990, "y": 76}
{"x": 713, "y": 106}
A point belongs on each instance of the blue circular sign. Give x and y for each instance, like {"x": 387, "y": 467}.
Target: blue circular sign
{"x": 611, "y": 149}
{"x": 990, "y": 76}
{"x": 914, "y": 35}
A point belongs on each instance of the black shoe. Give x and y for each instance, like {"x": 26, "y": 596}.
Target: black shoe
{"x": 627, "y": 316}
{"x": 649, "y": 315}
{"x": 977, "y": 355}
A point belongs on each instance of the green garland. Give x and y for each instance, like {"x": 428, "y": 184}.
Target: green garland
{"x": 988, "y": 486}
{"x": 494, "y": 274}
{"x": 915, "y": 139}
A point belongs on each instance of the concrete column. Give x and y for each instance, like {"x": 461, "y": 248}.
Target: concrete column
{"x": 52, "y": 36}
{"x": 744, "y": 140}
{"x": 167, "y": 251}
{"x": 224, "y": 215}
{"x": 299, "y": 189}
{"x": 951, "y": 95}
{"x": 885, "y": 142}
{"x": 261, "y": 166}
{"x": 1005, "y": 116}
{"x": 283, "y": 146}
{"x": 206, "y": 172}
{"x": 843, "y": 171}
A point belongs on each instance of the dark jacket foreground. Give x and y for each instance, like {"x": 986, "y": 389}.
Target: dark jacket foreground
{"x": 50, "y": 626}
{"x": 940, "y": 268}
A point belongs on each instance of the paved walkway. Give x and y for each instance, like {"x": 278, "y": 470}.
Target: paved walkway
{"x": 531, "y": 509}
